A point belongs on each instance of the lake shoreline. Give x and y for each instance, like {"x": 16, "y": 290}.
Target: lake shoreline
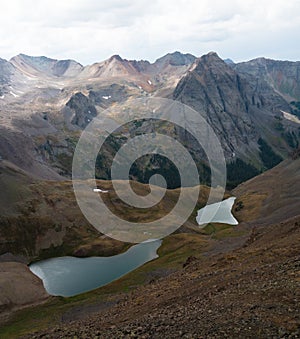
{"x": 69, "y": 276}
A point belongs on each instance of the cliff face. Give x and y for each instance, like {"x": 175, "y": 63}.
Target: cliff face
{"x": 240, "y": 109}
{"x": 217, "y": 92}
{"x": 283, "y": 76}
{"x": 175, "y": 59}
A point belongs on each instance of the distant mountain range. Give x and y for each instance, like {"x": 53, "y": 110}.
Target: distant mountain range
{"x": 253, "y": 107}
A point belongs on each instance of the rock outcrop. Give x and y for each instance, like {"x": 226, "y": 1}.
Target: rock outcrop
{"x": 19, "y": 287}
{"x": 84, "y": 111}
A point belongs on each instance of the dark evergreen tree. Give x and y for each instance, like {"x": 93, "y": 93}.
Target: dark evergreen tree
{"x": 267, "y": 155}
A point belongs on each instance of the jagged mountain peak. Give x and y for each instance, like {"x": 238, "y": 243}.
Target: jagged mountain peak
{"x": 116, "y": 57}
{"x": 176, "y": 59}
{"x": 142, "y": 66}
{"x": 44, "y": 66}
{"x": 210, "y": 57}
{"x": 260, "y": 59}
{"x": 113, "y": 67}
{"x": 229, "y": 61}
{"x": 211, "y": 53}
{"x": 212, "y": 64}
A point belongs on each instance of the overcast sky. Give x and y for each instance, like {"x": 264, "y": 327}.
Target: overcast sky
{"x": 92, "y": 30}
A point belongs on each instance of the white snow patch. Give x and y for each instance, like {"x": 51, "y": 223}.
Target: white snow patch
{"x": 290, "y": 117}
{"x": 149, "y": 240}
{"x": 14, "y": 94}
{"x": 99, "y": 190}
{"x": 2, "y": 97}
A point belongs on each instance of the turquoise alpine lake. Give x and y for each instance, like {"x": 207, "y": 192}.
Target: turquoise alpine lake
{"x": 69, "y": 276}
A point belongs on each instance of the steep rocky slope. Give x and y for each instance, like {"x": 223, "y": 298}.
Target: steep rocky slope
{"x": 283, "y": 76}
{"x": 272, "y": 196}
{"x": 239, "y": 112}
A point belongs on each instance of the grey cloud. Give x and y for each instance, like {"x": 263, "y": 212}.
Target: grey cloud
{"x": 91, "y": 30}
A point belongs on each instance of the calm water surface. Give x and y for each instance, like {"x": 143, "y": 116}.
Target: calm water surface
{"x": 68, "y": 276}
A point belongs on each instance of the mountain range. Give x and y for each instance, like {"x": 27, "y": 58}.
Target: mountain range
{"x": 253, "y": 107}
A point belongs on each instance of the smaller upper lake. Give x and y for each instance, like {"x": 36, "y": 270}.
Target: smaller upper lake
{"x": 219, "y": 212}
{"x": 68, "y": 276}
